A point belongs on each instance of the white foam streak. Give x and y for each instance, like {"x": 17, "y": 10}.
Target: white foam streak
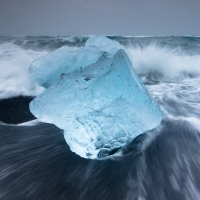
{"x": 30, "y": 123}
{"x": 164, "y": 63}
{"x": 192, "y": 120}
{"x": 14, "y": 75}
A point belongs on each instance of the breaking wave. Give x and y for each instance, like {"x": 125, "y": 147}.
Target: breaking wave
{"x": 14, "y": 77}
{"x": 156, "y": 63}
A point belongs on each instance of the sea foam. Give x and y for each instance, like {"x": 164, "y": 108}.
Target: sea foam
{"x": 14, "y": 77}
{"x": 157, "y": 63}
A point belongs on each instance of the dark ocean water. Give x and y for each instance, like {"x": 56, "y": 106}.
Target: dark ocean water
{"x": 162, "y": 164}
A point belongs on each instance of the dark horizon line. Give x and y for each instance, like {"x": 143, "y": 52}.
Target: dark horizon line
{"x": 89, "y": 35}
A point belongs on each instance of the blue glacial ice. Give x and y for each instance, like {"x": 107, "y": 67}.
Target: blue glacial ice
{"x": 101, "y": 104}
{"x": 46, "y": 70}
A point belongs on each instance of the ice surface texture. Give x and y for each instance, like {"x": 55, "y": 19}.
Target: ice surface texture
{"x": 101, "y": 106}
{"x": 46, "y": 70}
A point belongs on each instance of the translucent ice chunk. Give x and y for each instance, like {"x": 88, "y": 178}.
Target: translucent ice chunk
{"x": 48, "y": 69}
{"x": 101, "y": 107}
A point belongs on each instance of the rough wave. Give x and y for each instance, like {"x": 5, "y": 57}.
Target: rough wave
{"x": 156, "y": 63}
{"x": 14, "y": 77}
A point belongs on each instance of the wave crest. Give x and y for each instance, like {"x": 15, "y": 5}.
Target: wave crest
{"x": 154, "y": 63}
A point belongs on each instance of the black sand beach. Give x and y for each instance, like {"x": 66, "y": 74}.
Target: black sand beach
{"x": 36, "y": 163}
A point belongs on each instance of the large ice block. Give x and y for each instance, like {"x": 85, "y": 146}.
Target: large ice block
{"x": 101, "y": 107}
{"x": 48, "y": 69}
